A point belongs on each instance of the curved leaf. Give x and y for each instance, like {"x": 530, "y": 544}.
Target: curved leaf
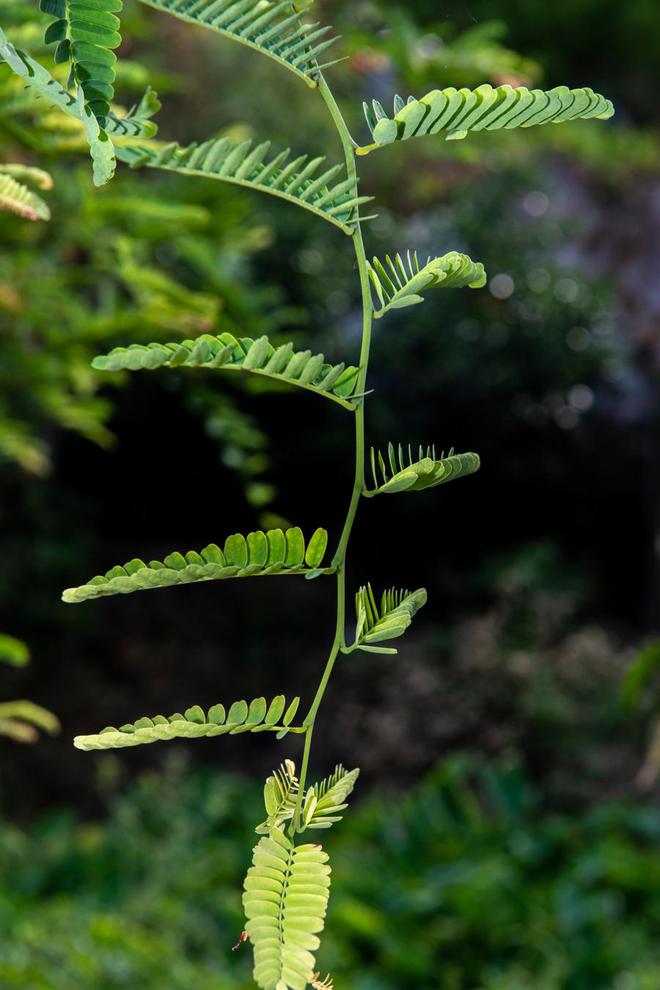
{"x": 195, "y": 723}
{"x": 40, "y": 79}
{"x": 229, "y": 353}
{"x": 136, "y": 123}
{"x": 300, "y": 181}
{"x": 456, "y": 112}
{"x": 274, "y": 552}
{"x": 377, "y": 625}
{"x": 274, "y": 29}
{"x": 415, "y": 476}
{"x": 405, "y": 281}
{"x": 285, "y": 900}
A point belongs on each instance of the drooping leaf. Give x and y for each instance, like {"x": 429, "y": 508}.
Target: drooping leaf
{"x": 300, "y": 181}
{"x": 86, "y": 33}
{"x": 401, "y": 282}
{"x": 377, "y": 625}
{"x": 39, "y": 79}
{"x": 400, "y": 475}
{"x": 136, "y": 123}
{"x": 229, "y": 353}
{"x": 274, "y": 552}
{"x": 194, "y": 723}
{"x": 275, "y": 29}
{"x": 456, "y": 112}
{"x": 285, "y": 900}
{"x": 101, "y": 147}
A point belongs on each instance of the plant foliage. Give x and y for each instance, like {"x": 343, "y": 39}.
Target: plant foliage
{"x": 456, "y": 112}
{"x": 39, "y": 79}
{"x": 398, "y": 474}
{"x": 229, "y": 353}
{"x": 400, "y": 283}
{"x": 21, "y": 720}
{"x": 285, "y": 901}
{"x": 275, "y": 29}
{"x": 254, "y": 555}
{"x": 299, "y": 180}
{"x": 377, "y": 625}
{"x": 287, "y": 886}
{"x": 258, "y": 716}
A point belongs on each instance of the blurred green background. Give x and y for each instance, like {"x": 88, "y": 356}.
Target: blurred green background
{"x": 506, "y": 830}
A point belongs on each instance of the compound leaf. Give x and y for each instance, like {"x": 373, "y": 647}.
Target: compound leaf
{"x": 456, "y": 112}
{"x": 40, "y": 79}
{"x": 229, "y": 353}
{"x": 273, "y": 28}
{"x": 325, "y": 800}
{"x": 377, "y": 625}
{"x": 285, "y": 900}
{"x": 274, "y": 552}
{"x": 195, "y": 723}
{"x": 401, "y": 475}
{"x": 41, "y": 83}
{"x": 301, "y": 181}
{"x": 401, "y": 282}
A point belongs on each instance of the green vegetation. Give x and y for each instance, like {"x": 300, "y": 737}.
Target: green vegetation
{"x": 534, "y": 569}
{"x": 465, "y": 883}
{"x": 286, "y": 889}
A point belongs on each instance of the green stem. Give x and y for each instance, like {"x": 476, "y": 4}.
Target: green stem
{"x": 339, "y": 559}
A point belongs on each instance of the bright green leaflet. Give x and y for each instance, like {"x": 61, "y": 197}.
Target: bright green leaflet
{"x": 456, "y": 112}
{"x": 257, "y": 716}
{"x": 286, "y": 888}
{"x": 396, "y": 473}
{"x": 401, "y": 282}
